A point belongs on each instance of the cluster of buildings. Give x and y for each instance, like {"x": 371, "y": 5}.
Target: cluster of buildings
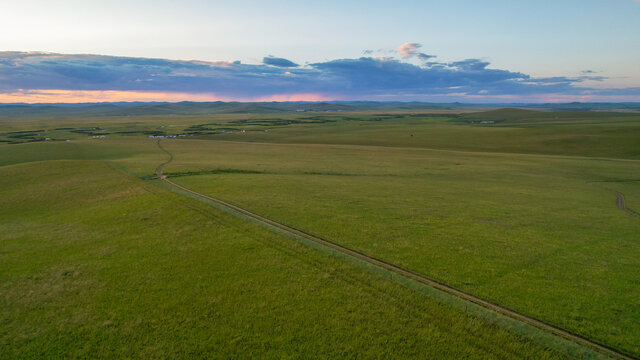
{"x": 166, "y": 136}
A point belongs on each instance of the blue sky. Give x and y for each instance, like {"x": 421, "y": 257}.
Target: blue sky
{"x": 589, "y": 44}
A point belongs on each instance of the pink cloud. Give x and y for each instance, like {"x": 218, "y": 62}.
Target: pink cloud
{"x": 408, "y": 49}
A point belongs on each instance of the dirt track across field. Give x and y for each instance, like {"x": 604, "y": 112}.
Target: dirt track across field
{"x": 620, "y": 203}
{"x": 159, "y": 168}
{"x": 404, "y": 272}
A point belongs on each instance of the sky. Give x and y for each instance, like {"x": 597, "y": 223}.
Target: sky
{"x": 282, "y": 50}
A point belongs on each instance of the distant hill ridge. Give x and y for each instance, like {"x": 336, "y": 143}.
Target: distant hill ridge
{"x": 205, "y": 108}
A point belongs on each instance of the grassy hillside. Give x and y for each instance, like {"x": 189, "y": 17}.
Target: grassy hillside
{"x": 140, "y": 155}
{"x": 208, "y": 108}
{"x": 521, "y": 230}
{"x": 99, "y": 264}
{"x": 494, "y": 203}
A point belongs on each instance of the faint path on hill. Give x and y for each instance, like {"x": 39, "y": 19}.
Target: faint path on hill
{"x": 159, "y": 168}
{"x": 400, "y": 271}
{"x": 620, "y": 202}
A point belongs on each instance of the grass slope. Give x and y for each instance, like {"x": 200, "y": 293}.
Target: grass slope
{"x": 96, "y": 263}
{"x": 524, "y": 231}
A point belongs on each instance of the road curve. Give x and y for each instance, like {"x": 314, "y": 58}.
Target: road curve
{"x": 404, "y": 272}
{"x": 620, "y": 202}
{"x": 621, "y": 205}
{"x": 159, "y": 168}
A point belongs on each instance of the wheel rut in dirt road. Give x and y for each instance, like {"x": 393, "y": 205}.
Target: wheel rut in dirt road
{"x": 620, "y": 201}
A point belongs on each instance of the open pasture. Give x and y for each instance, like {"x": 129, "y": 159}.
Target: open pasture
{"x": 524, "y": 231}
{"x": 497, "y": 204}
{"x": 98, "y": 263}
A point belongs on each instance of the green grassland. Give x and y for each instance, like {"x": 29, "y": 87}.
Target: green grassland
{"x": 592, "y": 134}
{"x": 494, "y": 203}
{"x": 525, "y": 231}
{"x": 97, "y": 263}
{"x": 534, "y": 132}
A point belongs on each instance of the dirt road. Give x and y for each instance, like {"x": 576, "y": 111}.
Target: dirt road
{"x": 161, "y": 166}
{"x": 620, "y": 202}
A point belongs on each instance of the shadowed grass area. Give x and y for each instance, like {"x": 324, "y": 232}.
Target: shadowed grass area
{"x": 140, "y": 155}
{"x": 110, "y": 266}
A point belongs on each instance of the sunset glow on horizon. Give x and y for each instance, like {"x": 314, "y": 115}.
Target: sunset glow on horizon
{"x": 97, "y": 96}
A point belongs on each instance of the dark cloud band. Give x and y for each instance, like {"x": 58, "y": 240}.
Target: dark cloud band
{"x": 280, "y": 62}
{"x": 342, "y": 78}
